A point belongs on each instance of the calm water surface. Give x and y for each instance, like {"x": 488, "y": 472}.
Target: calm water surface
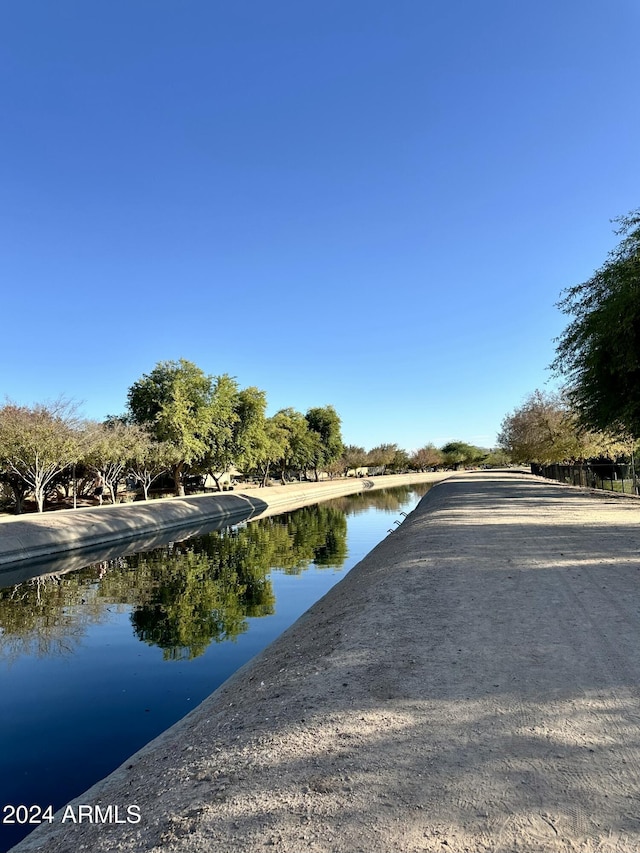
{"x": 96, "y": 662}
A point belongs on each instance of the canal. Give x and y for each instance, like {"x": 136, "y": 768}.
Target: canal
{"x": 97, "y": 661}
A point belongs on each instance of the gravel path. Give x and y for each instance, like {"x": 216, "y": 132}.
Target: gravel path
{"x": 472, "y": 685}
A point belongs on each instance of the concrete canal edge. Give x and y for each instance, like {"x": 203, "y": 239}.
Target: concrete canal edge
{"x": 32, "y": 538}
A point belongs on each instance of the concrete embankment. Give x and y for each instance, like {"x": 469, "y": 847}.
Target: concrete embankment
{"x": 471, "y": 685}
{"x": 38, "y": 537}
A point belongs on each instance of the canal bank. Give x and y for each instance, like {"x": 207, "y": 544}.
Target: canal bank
{"x": 471, "y": 685}
{"x": 36, "y": 537}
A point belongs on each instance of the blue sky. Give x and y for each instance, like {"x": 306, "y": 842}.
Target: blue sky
{"x": 369, "y": 204}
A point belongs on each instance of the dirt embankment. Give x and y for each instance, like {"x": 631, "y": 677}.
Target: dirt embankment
{"x": 472, "y": 685}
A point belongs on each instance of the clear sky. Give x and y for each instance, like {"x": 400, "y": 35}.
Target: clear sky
{"x": 369, "y": 204}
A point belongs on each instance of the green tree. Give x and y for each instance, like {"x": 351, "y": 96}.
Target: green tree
{"x": 353, "y": 457}
{"x": 497, "y": 457}
{"x": 325, "y": 423}
{"x": 599, "y": 351}
{"x": 272, "y": 448}
{"x": 174, "y": 403}
{"x": 223, "y": 428}
{"x": 298, "y": 443}
{"x": 254, "y": 447}
{"x": 458, "y": 453}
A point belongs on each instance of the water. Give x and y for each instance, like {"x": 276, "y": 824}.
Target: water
{"x": 96, "y": 662}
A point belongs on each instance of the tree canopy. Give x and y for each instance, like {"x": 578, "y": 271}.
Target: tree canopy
{"x": 545, "y": 429}
{"x": 37, "y": 444}
{"x": 296, "y": 442}
{"x": 325, "y": 423}
{"x": 427, "y": 457}
{"x": 174, "y": 403}
{"x": 599, "y": 351}
{"x": 460, "y": 453}
{"x": 382, "y": 455}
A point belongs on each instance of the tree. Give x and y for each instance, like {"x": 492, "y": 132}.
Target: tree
{"x": 545, "y": 429}
{"x": 38, "y": 443}
{"x": 272, "y": 448}
{"x": 353, "y": 457}
{"x": 15, "y": 484}
{"x": 599, "y": 351}
{"x": 299, "y": 444}
{"x": 458, "y": 453}
{"x": 253, "y": 441}
{"x": 497, "y": 458}
{"x": 400, "y": 461}
{"x": 150, "y": 459}
{"x": 382, "y": 455}
{"x": 222, "y": 431}
{"x": 325, "y": 423}
{"x": 174, "y": 403}
{"x": 112, "y": 447}
{"x": 426, "y": 457}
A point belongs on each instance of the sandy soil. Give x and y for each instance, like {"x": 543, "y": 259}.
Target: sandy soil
{"x": 472, "y": 685}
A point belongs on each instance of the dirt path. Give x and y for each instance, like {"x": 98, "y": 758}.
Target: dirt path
{"x": 473, "y": 685}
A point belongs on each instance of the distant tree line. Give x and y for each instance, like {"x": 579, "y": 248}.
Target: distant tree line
{"x": 183, "y": 423}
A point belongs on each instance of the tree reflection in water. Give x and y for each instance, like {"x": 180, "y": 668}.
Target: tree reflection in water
{"x": 188, "y": 594}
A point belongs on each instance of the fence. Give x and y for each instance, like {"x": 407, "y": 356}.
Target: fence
{"x": 612, "y": 476}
